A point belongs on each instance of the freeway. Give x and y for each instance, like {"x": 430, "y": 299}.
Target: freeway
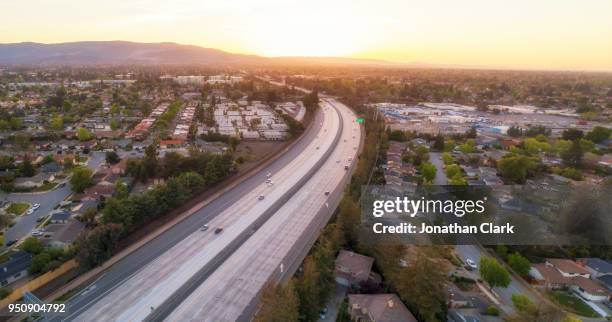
{"x": 276, "y": 250}
{"x": 167, "y": 262}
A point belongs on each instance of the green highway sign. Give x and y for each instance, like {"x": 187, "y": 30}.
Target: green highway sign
{"x": 360, "y": 120}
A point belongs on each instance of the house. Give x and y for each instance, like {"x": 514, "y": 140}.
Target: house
{"x": 352, "y": 269}
{"x": 567, "y": 267}
{"x": 14, "y": 268}
{"x": 548, "y": 276}
{"x": 589, "y": 289}
{"x": 597, "y": 267}
{"x": 378, "y": 308}
{"x": 102, "y": 189}
{"x": 559, "y": 273}
{"x": 60, "y": 217}
{"x": 51, "y": 167}
{"x": 64, "y": 234}
{"x": 34, "y": 181}
{"x": 165, "y": 144}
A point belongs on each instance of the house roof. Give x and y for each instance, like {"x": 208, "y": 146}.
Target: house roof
{"x": 590, "y": 286}
{"x": 380, "y": 307}
{"x": 100, "y": 190}
{"x": 550, "y": 274}
{"x": 567, "y": 266}
{"x": 597, "y": 264}
{"x": 60, "y": 216}
{"x": 607, "y": 281}
{"x": 357, "y": 264}
{"x": 69, "y": 232}
{"x": 171, "y": 142}
{"x": 17, "y": 262}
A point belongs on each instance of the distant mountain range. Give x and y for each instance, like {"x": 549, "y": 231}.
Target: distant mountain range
{"x": 124, "y": 52}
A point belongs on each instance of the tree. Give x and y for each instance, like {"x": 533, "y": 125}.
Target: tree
{"x": 81, "y": 179}
{"x": 421, "y": 285}
{"x": 428, "y": 171}
{"x": 96, "y": 245}
{"x": 493, "y": 272}
{"x": 598, "y": 134}
{"x": 112, "y": 157}
{"x": 572, "y": 157}
{"x": 83, "y": 134}
{"x": 278, "y": 303}
{"x": 57, "y": 123}
{"x": 438, "y": 143}
{"x": 308, "y": 290}
{"x": 150, "y": 161}
{"x": 26, "y": 168}
{"x": 447, "y": 158}
{"x": 572, "y": 134}
{"x": 114, "y": 124}
{"x": 397, "y": 135}
{"x": 32, "y": 245}
{"x": 515, "y": 131}
{"x": 522, "y": 303}
{"x": 515, "y": 167}
{"x": 453, "y": 170}
{"x": 121, "y": 190}
{"x": 39, "y": 262}
{"x": 468, "y": 147}
{"x": 519, "y": 264}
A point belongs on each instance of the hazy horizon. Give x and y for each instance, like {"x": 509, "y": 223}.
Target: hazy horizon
{"x": 566, "y": 35}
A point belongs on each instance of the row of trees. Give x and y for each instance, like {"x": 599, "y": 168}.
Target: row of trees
{"x": 212, "y": 167}
{"x": 122, "y": 214}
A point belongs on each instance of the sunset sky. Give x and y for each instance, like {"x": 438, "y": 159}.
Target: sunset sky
{"x": 532, "y": 34}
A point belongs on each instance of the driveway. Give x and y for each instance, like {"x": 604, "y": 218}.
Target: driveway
{"x": 333, "y": 303}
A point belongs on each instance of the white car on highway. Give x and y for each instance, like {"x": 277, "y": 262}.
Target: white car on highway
{"x": 36, "y": 233}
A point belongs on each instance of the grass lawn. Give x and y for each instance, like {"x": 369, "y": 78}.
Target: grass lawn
{"x": 18, "y": 208}
{"x": 45, "y": 187}
{"x": 572, "y": 303}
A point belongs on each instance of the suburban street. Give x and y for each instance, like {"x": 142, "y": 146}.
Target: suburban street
{"x": 47, "y": 200}
{"x": 436, "y": 159}
{"x": 474, "y": 253}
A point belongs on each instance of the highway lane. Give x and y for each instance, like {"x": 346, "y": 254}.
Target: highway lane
{"x": 129, "y": 265}
{"x": 277, "y": 249}
{"x": 135, "y": 298}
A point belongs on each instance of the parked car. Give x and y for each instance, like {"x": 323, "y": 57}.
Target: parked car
{"x": 471, "y": 264}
